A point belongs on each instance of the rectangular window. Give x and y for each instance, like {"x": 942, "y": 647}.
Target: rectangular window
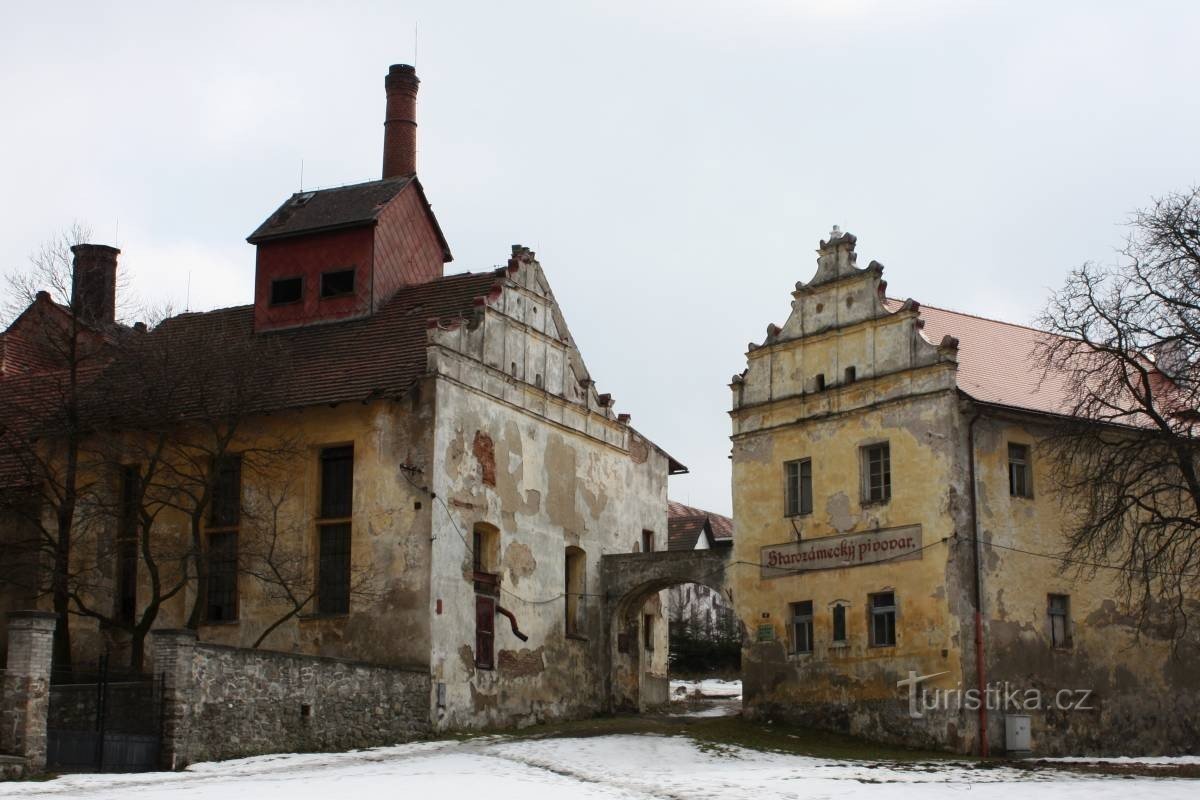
{"x": 221, "y": 593}
{"x": 226, "y": 506}
{"x": 337, "y": 495}
{"x": 647, "y": 541}
{"x": 485, "y": 632}
{"x": 648, "y": 631}
{"x": 333, "y": 588}
{"x": 851, "y": 375}
{"x": 1059, "y": 607}
{"x": 802, "y": 627}
{"x": 798, "y": 490}
{"x": 876, "y": 473}
{"x": 127, "y": 545}
{"x": 1020, "y": 477}
{"x": 287, "y": 290}
{"x": 883, "y": 619}
{"x": 337, "y": 283}
{"x": 839, "y": 623}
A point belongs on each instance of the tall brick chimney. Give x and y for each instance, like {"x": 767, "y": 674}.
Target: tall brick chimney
{"x": 400, "y": 122}
{"x": 94, "y": 283}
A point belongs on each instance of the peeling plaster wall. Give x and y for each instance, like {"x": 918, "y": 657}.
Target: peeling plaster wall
{"x": 523, "y": 442}
{"x": 901, "y": 392}
{"x": 1146, "y": 699}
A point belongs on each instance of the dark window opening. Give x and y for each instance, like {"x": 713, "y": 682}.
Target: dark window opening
{"x": 337, "y": 503}
{"x": 127, "y": 546}
{"x": 798, "y": 491}
{"x": 221, "y": 600}
{"x": 286, "y": 290}
{"x": 647, "y": 541}
{"x": 648, "y": 631}
{"x": 821, "y": 382}
{"x": 883, "y": 619}
{"x": 485, "y": 632}
{"x": 877, "y": 473}
{"x": 1020, "y": 479}
{"x": 802, "y": 627}
{"x": 333, "y": 586}
{"x": 337, "y": 283}
{"x": 851, "y": 374}
{"x": 839, "y": 623}
{"x": 226, "y": 506}
{"x": 1059, "y": 606}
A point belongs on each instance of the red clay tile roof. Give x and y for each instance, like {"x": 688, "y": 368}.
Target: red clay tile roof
{"x": 995, "y": 360}
{"x": 685, "y": 524}
{"x": 377, "y": 356}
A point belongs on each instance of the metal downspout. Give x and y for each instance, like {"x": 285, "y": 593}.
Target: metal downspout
{"x": 980, "y": 668}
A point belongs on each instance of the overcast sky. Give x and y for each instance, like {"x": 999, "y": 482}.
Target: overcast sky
{"x": 672, "y": 163}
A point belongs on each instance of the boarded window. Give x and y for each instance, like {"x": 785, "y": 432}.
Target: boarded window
{"x": 287, "y": 290}
{"x": 127, "y": 545}
{"x": 802, "y": 627}
{"x": 1020, "y": 478}
{"x": 221, "y": 593}
{"x": 1059, "y": 607}
{"x": 876, "y": 473}
{"x": 839, "y": 623}
{"x": 337, "y": 283}
{"x": 576, "y": 606}
{"x": 798, "y": 487}
{"x": 883, "y": 619}
{"x": 485, "y": 632}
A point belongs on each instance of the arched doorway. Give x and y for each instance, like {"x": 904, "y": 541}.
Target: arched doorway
{"x": 629, "y": 581}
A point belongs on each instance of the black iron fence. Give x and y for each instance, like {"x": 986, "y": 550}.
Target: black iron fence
{"x": 104, "y": 720}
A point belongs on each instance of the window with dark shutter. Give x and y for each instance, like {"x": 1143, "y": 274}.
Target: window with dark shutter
{"x": 333, "y": 528}
{"x": 485, "y": 631}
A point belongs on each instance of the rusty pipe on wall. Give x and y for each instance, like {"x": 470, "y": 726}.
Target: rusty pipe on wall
{"x": 977, "y": 564}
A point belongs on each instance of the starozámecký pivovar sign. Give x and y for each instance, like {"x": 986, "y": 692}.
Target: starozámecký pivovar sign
{"x": 834, "y": 552}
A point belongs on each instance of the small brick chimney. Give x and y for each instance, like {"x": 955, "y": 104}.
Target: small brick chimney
{"x": 400, "y": 122}
{"x": 94, "y": 283}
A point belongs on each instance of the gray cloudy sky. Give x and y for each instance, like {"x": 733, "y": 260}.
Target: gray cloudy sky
{"x": 673, "y": 163}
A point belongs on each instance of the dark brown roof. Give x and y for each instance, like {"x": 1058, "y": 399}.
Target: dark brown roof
{"x": 685, "y": 524}
{"x": 358, "y": 360}
{"x": 341, "y": 207}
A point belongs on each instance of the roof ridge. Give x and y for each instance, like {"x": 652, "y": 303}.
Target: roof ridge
{"x": 978, "y": 316}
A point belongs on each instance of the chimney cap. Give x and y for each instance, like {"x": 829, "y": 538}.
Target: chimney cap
{"x": 86, "y": 248}
{"x": 402, "y": 73}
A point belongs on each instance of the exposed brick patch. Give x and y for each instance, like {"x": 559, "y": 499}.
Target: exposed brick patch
{"x": 520, "y": 663}
{"x": 485, "y": 453}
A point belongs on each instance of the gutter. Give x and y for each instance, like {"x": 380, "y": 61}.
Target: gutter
{"x": 980, "y": 667}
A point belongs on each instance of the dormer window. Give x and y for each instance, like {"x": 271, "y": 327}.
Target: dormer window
{"x": 337, "y": 283}
{"x": 287, "y": 290}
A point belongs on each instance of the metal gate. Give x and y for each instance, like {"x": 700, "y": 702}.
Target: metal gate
{"x": 104, "y": 721}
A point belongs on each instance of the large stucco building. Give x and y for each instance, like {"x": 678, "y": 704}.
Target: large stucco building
{"x": 889, "y": 483}
{"x": 452, "y": 474}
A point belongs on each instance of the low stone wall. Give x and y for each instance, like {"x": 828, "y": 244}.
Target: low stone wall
{"x": 225, "y": 702}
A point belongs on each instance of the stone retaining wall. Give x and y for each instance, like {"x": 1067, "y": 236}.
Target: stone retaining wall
{"x": 225, "y": 702}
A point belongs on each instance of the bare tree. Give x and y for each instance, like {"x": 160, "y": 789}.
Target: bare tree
{"x": 275, "y": 556}
{"x": 1126, "y": 348}
{"x": 41, "y": 425}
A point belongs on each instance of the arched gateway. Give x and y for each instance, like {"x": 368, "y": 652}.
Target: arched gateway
{"x": 628, "y": 581}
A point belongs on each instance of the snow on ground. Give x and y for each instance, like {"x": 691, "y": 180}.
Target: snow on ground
{"x": 618, "y": 767}
{"x": 709, "y": 687}
{"x": 1126, "y": 761}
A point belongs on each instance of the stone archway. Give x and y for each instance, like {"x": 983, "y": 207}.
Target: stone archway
{"x": 628, "y": 581}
